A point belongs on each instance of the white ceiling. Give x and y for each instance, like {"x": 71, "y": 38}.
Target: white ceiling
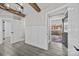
{"x": 29, "y": 10}
{"x": 47, "y": 6}
{"x": 43, "y": 7}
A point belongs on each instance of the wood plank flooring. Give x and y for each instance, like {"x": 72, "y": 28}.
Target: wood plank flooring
{"x": 22, "y": 49}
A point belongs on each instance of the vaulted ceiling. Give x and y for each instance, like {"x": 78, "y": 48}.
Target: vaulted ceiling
{"x": 31, "y": 8}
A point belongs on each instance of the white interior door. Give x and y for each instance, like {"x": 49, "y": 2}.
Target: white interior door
{"x": 17, "y": 32}
{"x": 1, "y": 32}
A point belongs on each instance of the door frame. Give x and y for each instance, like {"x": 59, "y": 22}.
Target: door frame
{"x": 4, "y": 19}
{"x": 47, "y": 17}
{"x": 9, "y": 20}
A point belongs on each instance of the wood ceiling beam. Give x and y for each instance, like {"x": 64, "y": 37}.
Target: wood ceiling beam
{"x": 35, "y": 7}
{"x": 20, "y": 5}
{"x": 2, "y": 6}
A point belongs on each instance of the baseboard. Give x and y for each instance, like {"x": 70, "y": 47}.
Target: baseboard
{"x": 12, "y": 42}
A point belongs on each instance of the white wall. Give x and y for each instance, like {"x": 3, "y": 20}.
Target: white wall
{"x": 36, "y": 30}
{"x": 73, "y": 33}
{"x": 1, "y": 34}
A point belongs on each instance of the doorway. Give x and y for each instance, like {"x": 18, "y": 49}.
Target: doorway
{"x": 58, "y": 34}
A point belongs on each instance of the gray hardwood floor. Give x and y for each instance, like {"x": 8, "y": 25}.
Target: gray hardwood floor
{"x": 22, "y": 49}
